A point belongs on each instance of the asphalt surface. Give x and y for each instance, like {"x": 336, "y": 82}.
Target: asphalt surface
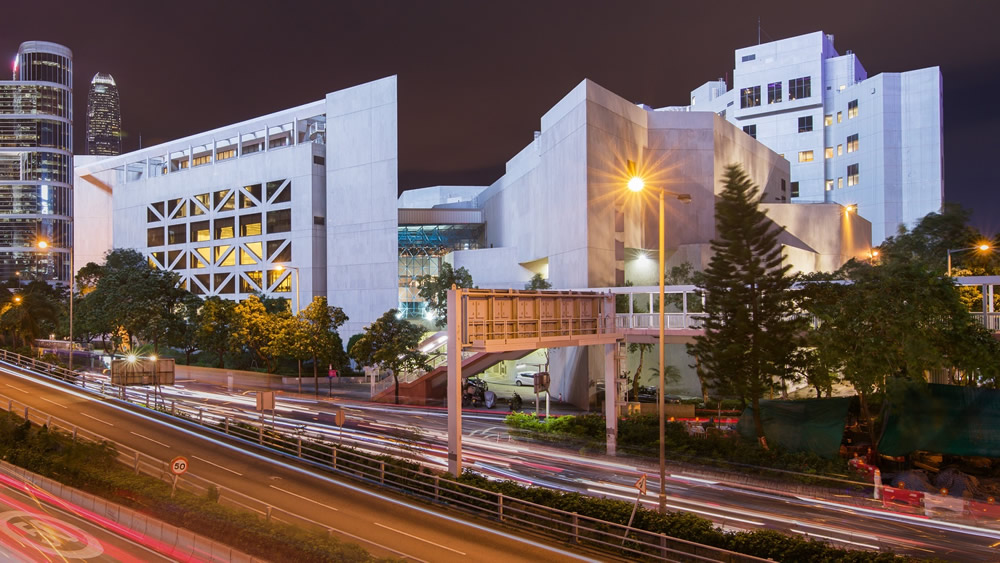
{"x": 421, "y": 433}
{"x": 385, "y": 524}
{"x": 34, "y": 529}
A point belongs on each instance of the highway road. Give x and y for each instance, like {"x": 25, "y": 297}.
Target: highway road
{"x": 421, "y": 434}
{"x": 37, "y": 527}
{"x": 385, "y": 524}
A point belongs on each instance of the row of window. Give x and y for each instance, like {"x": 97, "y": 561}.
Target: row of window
{"x": 853, "y": 178}
{"x": 278, "y": 191}
{"x": 798, "y": 88}
{"x": 278, "y": 281}
{"x": 852, "y": 146}
{"x": 244, "y": 254}
{"x": 278, "y": 221}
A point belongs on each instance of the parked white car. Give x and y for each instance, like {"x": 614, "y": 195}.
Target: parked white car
{"x": 525, "y": 378}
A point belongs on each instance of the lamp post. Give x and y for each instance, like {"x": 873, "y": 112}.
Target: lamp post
{"x": 636, "y": 184}
{"x": 72, "y": 274}
{"x": 295, "y": 271}
{"x": 981, "y": 247}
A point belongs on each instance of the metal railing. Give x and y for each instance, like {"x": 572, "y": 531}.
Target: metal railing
{"x": 671, "y": 321}
{"x": 989, "y": 320}
{"x": 295, "y": 440}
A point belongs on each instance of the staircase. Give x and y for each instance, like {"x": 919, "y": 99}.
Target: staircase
{"x": 431, "y": 387}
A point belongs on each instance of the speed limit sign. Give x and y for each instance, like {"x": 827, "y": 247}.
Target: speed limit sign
{"x": 179, "y": 465}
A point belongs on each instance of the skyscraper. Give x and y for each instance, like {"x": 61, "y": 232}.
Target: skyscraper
{"x": 104, "y": 117}
{"x": 36, "y": 163}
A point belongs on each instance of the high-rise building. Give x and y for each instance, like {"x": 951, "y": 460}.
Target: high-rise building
{"x": 876, "y": 142}
{"x": 104, "y": 116}
{"x": 36, "y": 164}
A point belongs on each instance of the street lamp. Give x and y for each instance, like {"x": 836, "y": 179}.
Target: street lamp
{"x": 981, "y": 247}
{"x": 44, "y": 245}
{"x": 637, "y": 184}
{"x": 295, "y": 270}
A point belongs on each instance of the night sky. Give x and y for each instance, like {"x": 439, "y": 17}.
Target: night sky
{"x": 475, "y": 77}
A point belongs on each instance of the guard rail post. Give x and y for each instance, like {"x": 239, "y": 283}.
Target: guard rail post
{"x": 300, "y": 446}
{"x": 334, "y": 449}
{"x": 663, "y": 546}
{"x": 575, "y": 538}
{"x": 437, "y": 490}
{"x": 500, "y": 506}
{"x": 227, "y": 425}
{"x": 381, "y": 468}
{"x": 136, "y": 462}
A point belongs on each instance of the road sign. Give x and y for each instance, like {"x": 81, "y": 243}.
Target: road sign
{"x": 179, "y": 465}
{"x": 265, "y": 401}
{"x": 341, "y": 417}
{"x": 641, "y": 484}
{"x": 541, "y": 382}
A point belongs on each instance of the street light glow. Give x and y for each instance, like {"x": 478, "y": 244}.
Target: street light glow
{"x": 636, "y": 184}
{"x": 130, "y": 358}
{"x": 43, "y": 244}
{"x": 984, "y": 247}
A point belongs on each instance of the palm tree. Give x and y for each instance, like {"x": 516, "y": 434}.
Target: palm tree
{"x": 26, "y": 314}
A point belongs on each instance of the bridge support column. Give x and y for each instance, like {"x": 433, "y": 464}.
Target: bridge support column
{"x": 454, "y": 383}
{"x": 611, "y": 397}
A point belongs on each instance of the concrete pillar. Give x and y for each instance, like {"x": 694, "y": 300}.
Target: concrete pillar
{"x": 454, "y": 383}
{"x": 611, "y": 397}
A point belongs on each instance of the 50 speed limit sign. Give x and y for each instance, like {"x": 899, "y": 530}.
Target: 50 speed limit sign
{"x": 179, "y": 465}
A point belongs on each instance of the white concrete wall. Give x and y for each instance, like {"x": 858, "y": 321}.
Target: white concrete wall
{"x": 91, "y": 217}
{"x": 361, "y": 180}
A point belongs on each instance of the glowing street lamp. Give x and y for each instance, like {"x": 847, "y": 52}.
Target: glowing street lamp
{"x": 637, "y": 184}
{"x": 982, "y": 248}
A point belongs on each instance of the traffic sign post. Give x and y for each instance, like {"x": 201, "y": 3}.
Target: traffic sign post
{"x": 641, "y": 486}
{"x": 340, "y": 419}
{"x": 178, "y": 466}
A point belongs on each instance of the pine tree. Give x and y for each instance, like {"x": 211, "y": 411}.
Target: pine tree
{"x": 752, "y": 328}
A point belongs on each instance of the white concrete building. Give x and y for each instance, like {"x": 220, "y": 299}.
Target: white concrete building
{"x": 239, "y": 209}
{"x": 876, "y": 142}
{"x": 562, "y": 209}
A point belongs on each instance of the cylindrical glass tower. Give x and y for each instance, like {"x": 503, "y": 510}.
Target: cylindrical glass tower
{"x": 36, "y": 164}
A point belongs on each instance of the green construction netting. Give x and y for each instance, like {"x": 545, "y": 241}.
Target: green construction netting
{"x": 808, "y": 425}
{"x": 947, "y": 419}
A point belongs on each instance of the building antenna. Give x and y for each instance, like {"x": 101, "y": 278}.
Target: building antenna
{"x": 758, "y": 30}
{"x": 140, "y": 140}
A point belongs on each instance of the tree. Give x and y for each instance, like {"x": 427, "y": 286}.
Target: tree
{"x": 28, "y": 314}
{"x": 317, "y": 336}
{"x": 390, "y": 343}
{"x": 216, "y": 325}
{"x": 752, "y": 327}
{"x": 537, "y": 283}
{"x": 434, "y": 290}
{"x": 896, "y": 322}
{"x": 258, "y": 330}
{"x": 185, "y": 333}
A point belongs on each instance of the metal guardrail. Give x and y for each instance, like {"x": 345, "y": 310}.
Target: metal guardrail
{"x": 989, "y": 320}
{"x": 293, "y": 440}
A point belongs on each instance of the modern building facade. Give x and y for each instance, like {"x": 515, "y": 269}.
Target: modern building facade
{"x": 562, "y": 210}
{"x": 298, "y": 203}
{"x": 104, "y": 116}
{"x": 36, "y": 164}
{"x": 876, "y": 142}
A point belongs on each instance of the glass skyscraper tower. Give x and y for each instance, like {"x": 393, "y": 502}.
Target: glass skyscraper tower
{"x": 104, "y": 117}
{"x": 36, "y": 164}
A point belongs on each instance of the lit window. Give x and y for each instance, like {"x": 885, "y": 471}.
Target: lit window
{"x": 225, "y": 155}
{"x": 199, "y": 160}
{"x": 805, "y": 156}
{"x": 774, "y": 92}
{"x": 224, "y": 228}
{"x": 750, "y": 130}
{"x": 840, "y": 150}
{"x": 840, "y": 116}
{"x": 750, "y": 97}
{"x": 827, "y": 120}
{"x": 829, "y": 152}
{"x": 829, "y": 185}
{"x": 200, "y": 231}
{"x": 799, "y": 88}
{"x": 852, "y": 174}
{"x": 852, "y": 109}
{"x": 852, "y": 143}
{"x": 840, "y": 182}
{"x": 805, "y": 124}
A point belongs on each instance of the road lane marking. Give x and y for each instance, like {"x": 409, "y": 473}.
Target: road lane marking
{"x": 217, "y": 465}
{"x": 97, "y": 419}
{"x": 18, "y": 388}
{"x": 150, "y": 439}
{"x": 419, "y": 538}
{"x": 305, "y": 498}
{"x": 54, "y": 403}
